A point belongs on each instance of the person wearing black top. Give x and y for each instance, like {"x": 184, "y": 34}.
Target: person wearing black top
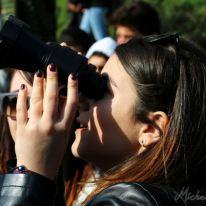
{"x": 76, "y": 7}
{"x": 146, "y": 135}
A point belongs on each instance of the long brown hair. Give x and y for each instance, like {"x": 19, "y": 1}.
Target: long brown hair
{"x": 179, "y": 157}
{"x": 7, "y": 151}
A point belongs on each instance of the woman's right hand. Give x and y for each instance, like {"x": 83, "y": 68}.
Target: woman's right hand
{"x": 42, "y": 133}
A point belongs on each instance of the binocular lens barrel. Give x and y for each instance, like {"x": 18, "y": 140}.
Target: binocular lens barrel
{"x": 20, "y": 49}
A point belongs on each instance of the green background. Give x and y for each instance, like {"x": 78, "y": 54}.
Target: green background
{"x": 185, "y": 16}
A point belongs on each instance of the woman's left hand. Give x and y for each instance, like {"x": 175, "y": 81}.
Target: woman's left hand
{"x": 42, "y": 133}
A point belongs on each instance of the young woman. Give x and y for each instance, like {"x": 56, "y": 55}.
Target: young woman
{"x": 146, "y": 136}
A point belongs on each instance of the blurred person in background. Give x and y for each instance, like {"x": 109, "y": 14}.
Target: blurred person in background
{"x": 94, "y": 18}
{"x": 76, "y": 39}
{"x": 98, "y": 59}
{"x": 135, "y": 20}
{"x": 100, "y": 51}
{"x": 76, "y": 8}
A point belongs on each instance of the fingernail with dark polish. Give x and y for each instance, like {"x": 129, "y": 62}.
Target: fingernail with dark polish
{"x": 52, "y": 68}
{"x": 39, "y": 73}
{"x": 22, "y": 86}
{"x": 74, "y": 77}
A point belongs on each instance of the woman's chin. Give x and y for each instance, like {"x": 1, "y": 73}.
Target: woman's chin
{"x": 86, "y": 146}
{"x": 79, "y": 142}
{"x": 74, "y": 150}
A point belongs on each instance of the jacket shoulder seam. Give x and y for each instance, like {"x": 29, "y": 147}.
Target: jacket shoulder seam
{"x": 139, "y": 185}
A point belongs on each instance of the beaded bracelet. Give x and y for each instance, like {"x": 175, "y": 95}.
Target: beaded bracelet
{"x": 21, "y": 170}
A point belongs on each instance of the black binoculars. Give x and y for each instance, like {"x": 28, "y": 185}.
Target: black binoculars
{"x": 20, "y": 49}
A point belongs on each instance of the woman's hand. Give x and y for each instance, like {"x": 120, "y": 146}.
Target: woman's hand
{"x": 42, "y": 138}
{"x": 75, "y": 7}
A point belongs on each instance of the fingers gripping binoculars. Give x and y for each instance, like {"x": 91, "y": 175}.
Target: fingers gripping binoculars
{"x": 20, "y": 49}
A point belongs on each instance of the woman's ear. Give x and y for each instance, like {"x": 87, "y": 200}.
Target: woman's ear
{"x": 149, "y": 134}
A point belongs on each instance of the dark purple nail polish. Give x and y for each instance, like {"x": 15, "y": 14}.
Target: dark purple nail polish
{"x": 22, "y": 86}
{"x": 74, "y": 76}
{"x": 39, "y": 73}
{"x": 52, "y": 68}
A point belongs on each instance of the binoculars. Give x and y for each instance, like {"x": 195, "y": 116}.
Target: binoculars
{"x": 20, "y": 49}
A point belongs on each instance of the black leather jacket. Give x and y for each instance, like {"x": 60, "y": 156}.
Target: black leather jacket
{"x": 35, "y": 190}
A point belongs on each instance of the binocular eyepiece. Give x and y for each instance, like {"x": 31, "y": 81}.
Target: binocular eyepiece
{"x": 20, "y": 49}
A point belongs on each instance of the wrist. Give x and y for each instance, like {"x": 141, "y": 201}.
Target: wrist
{"x": 20, "y": 170}
{"x": 26, "y": 168}
{"x": 23, "y": 170}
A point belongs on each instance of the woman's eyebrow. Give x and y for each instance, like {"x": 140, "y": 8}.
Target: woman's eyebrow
{"x": 110, "y": 79}
{"x": 112, "y": 82}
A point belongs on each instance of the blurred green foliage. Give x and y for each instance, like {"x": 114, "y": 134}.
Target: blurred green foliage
{"x": 188, "y": 17}
{"x": 62, "y": 15}
{"x": 8, "y": 7}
